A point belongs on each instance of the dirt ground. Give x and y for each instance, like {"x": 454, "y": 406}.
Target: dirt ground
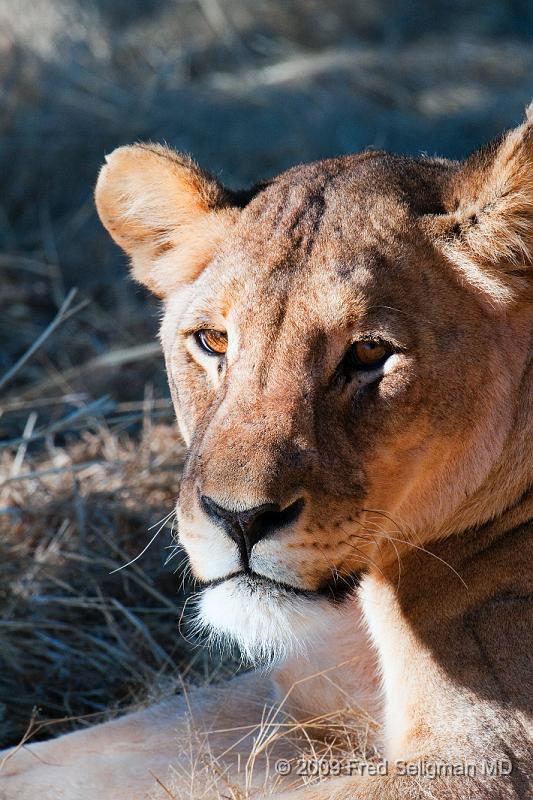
{"x": 89, "y": 457}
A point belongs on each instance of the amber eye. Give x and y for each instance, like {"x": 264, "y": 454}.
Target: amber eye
{"x": 367, "y": 354}
{"x": 213, "y": 342}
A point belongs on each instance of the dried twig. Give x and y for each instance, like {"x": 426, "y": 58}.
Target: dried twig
{"x": 63, "y": 314}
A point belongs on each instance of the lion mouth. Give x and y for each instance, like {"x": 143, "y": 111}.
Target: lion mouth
{"x": 336, "y": 588}
{"x": 267, "y": 619}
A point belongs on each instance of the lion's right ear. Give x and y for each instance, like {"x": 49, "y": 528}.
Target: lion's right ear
{"x": 165, "y": 213}
{"x": 487, "y": 226}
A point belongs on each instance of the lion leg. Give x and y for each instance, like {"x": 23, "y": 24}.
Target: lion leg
{"x": 205, "y": 741}
{"x": 171, "y": 747}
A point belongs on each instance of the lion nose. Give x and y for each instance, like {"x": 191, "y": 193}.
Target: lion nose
{"x": 247, "y": 527}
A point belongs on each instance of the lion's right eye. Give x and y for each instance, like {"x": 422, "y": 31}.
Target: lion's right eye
{"x": 215, "y": 343}
{"x": 367, "y": 354}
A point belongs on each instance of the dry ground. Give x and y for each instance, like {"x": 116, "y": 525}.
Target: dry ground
{"x": 89, "y": 458}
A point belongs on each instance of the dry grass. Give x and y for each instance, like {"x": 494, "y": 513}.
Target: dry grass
{"x": 316, "y": 751}
{"x": 75, "y": 636}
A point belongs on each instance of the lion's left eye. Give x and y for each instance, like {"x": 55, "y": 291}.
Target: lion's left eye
{"x": 215, "y": 343}
{"x": 368, "y": 354}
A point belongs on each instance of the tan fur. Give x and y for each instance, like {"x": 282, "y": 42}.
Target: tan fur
{"x": 488, "y": 233}
{"x": 417, "y": 482}
{"x": 188, "y": 224}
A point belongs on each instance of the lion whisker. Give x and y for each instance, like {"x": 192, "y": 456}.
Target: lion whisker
{"x": 152, "y": 540}
{"x": 422, "y": 549}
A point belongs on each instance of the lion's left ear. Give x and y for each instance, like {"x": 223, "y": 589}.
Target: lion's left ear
{"x": 165, "y": 212}
{"x": 487, "y": 227}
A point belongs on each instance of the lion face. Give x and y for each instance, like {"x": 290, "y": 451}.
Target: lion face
{"x": 342, "y": 377}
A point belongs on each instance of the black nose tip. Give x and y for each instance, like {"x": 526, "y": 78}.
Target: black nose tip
{"x": 248, "y": 527}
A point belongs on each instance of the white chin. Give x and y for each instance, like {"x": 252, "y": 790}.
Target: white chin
{"x": 267, "y": 622}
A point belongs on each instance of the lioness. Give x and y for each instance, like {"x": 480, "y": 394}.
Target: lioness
{"x": 349, "y": 350}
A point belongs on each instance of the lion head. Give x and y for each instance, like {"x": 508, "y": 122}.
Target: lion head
{"x": 345, "y": 346}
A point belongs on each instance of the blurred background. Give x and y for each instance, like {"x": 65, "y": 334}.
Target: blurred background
{"x": 89, "y": 457}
